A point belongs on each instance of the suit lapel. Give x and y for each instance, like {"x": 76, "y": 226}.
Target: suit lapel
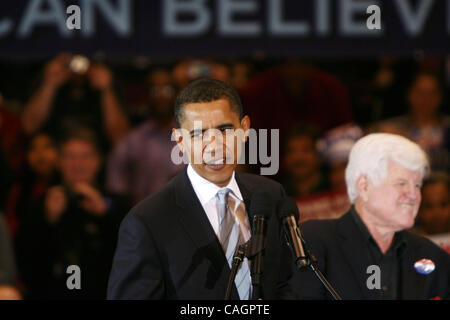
{"x": 246, "y": 195}
{"x": 195, "y": 222}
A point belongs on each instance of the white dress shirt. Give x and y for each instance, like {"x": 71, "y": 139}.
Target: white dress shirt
{"x": 206, "y": 192}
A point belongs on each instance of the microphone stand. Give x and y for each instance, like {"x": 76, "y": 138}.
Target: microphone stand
{"x": 238, "y": 257}
{"x": 245, "y": 250}
{"x": 310, "y": 261}
{"x": 256, "y": 274}
{"x": 314, "y": 266}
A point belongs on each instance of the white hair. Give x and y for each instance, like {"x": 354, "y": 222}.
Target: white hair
{"x": 371, "y": 154}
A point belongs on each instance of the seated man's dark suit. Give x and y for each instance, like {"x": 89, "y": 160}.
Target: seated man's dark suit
{"x": 167, "y": 248}
{"x": 341, "y": 248}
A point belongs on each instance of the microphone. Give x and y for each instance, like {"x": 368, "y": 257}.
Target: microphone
{"x": 288, "y": 215}
{"x": 287, "y": 211}
{"x": 261, "y": 207}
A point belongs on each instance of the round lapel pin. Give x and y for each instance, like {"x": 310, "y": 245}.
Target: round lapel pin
{"x": 424, "y": 266}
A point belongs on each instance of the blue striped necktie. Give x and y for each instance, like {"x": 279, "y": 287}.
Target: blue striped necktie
{"x": 230, "y": 237}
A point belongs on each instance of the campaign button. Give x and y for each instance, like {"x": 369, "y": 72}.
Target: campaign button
{"x": 424, "y": 266}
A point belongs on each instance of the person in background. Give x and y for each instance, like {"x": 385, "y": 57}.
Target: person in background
{"x": 302, "y": 167}
{"x": 241, "y": 72}
{"x": 76, "y": 93}
{"x": 73, "y": 223}
{"x": 300, "y": 93}
{"x": 334, "y": 147}
{"x": 192, "y": 69}
{"x": 11, "y": 137}
{"x": 8, "y": 291}
{"x": 434, "y": 213}
{"x": 7, "y": 178}
{"x": 391, "y": 76}
{"x": 39, "y": 172}
{"x": 11, "y": 151}
{"x": 141, "y": 162}
{"x": 425, "y": 123}
{"x": 326, "y": 163}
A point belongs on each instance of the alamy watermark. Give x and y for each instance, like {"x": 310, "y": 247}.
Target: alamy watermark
{"x": 73, "y": 22}
{"x": 215, "y": 147}
{"x": 374, "y": 280}
{"x": 74, "y": 280}
{"x": 374, "y": 21}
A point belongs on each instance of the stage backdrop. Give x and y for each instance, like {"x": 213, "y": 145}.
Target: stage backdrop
{"x": 172, "y": 28}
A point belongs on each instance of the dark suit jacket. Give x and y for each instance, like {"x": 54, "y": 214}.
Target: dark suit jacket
{"x": 167, "y": 248}
{"x": 337, "y": 245}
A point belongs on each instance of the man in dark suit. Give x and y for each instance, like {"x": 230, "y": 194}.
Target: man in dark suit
{"x": 367, "y": 253}
{"x": 178, "y": 243}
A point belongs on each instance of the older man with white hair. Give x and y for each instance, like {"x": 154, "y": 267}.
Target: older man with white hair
{"x": 367, "y": 253}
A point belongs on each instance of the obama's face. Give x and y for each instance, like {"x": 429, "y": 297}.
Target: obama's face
{"x": 211, "y": 134}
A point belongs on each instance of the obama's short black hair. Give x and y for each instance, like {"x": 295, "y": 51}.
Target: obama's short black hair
{"x": 207, "y": 90}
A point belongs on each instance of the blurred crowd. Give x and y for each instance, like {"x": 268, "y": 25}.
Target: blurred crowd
{"x": 82, "y": 141}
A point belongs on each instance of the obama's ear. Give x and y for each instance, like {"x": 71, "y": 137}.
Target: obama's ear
{"x": 245, "y": 124}
{"x": 177, "y": 136}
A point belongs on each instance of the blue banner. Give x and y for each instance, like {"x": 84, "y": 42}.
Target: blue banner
{"x": 224, "y": 28}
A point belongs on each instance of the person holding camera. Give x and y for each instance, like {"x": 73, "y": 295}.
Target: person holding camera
{"x": 75, "y": 92}
{"x": 74, "y": 223}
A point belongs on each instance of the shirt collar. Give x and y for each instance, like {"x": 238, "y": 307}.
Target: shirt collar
{"x": 399, "y": 241}
{"x": 206, "y": 190}
{"x": 361, "y": 226}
